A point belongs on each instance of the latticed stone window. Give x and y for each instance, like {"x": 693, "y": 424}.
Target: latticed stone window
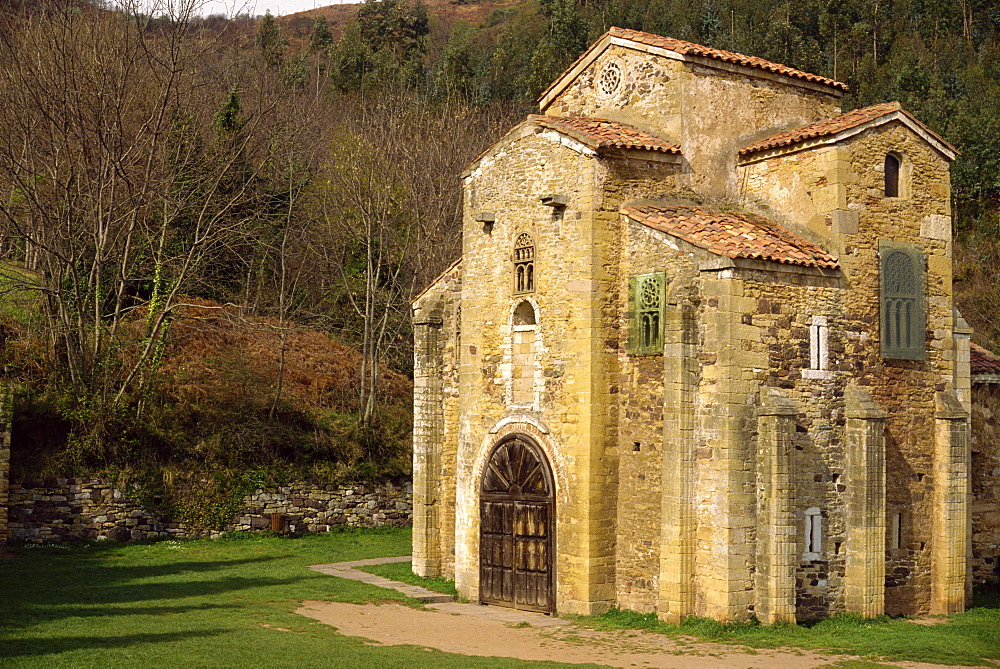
{"x": 524, "y": 264}
{"x": 609, "y": 80}
{"x": 646, "y": 301}
{"x": 902, "y": 301}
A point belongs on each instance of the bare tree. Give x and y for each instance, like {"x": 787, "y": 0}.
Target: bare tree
{"x": 388, "y": 208}
{"x": 123, "y": 182}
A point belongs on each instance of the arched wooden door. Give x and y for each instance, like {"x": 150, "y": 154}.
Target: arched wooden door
{"x": 516, "y": 520}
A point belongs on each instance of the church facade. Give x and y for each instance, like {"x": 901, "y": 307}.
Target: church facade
{"x": 699, "y": 355}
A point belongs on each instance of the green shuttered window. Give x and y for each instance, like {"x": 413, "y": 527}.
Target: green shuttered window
{"x": 645, "y": 313}
{"x": 903, "y": 319}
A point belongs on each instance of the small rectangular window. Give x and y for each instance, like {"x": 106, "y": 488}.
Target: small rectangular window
{"x": 646, "y": 301}
{"x": 813, "y": 534}
{"x": 818, "y": 334}
{"x": 896, "y": 531}
{"x": 819, "y": 350}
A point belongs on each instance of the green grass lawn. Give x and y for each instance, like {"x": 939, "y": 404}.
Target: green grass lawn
{"x": 968, "y": 638}
{"x": 196, "y": 603}
{"x": 202, "y": 603}
{"x": 403, "y": 572}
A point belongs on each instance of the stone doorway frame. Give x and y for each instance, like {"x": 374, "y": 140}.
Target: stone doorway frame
{"x": 524, "y": 507}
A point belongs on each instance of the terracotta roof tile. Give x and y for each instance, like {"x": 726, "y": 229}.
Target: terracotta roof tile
{"x": 733, "y": 235}
{"x": 599, "y": 133}
{"x": 851, "y": 119}
{"x": 982, "y": 361}
{"x": 690, "y": 49}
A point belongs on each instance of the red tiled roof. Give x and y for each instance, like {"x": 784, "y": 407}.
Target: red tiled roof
{"x": 599, "y": 133}
{"x": 851, "y": 119}
{"x": 982, "y": 361}
{"x": 733, "y": 235}
{"x": 691, "y": 49}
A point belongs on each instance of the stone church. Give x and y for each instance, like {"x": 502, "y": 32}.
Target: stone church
{"x": 699, "y": 355}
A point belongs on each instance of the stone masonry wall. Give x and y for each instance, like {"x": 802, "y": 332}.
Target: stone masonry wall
{"x": 836, "y": 195}
{"x": 77, "y": 509}
{"x": 437, "y": 340}
{"x": 571, "y": 406}
{"x": 785, "y": 304}
{"x": 640, "y": 434}
{"x": 985, "y": 482}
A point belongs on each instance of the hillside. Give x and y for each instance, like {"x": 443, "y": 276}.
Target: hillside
{"x": 444, "y": 14}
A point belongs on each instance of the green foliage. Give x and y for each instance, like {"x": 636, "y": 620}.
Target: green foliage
{"x": 270, "y": 43}
{"x": 320, "y": 38}
{"x": 383, "y": 47}
{"x": 227, "y": 119}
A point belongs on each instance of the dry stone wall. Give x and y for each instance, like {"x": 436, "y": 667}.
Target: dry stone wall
{"x": 75, "y": 509}
{"x": 4, "y": 478}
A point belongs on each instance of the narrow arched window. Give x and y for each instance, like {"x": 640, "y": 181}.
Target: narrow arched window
{"x": 525, "y": 321}
{"x": 524, "y": 264}
{"x": 892, "y": 171}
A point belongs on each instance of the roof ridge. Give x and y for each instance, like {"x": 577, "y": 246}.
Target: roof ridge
{"x": 691, "y": 49}
{"x": 617, "y": 134}
{"x": 733, "y": 234}
{"x": 840, "y": 123}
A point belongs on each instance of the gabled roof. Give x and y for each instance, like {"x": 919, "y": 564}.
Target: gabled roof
{"x": 591, "y": 136}
{"x": 985, "y": 366}
{"x": 852, "y": 123}
{"x": 599, "y": 133}
{"x": 454, "y": 267}
{"x": 680, "y": 50}
{"x": 733, "y": 235}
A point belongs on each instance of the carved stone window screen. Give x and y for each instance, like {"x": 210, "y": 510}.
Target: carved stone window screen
{"x": 903, "y": 318}
{"x": 524, "y": 264}
{"x": 646, "y": 309}
{"x": 610, "y": 80}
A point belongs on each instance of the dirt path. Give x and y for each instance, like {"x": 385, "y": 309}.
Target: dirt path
{"x": 491, "y": 631}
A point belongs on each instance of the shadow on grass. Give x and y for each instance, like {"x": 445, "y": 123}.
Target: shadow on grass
{"x": 84, "y": 583}
{"x": 54, "y": 645}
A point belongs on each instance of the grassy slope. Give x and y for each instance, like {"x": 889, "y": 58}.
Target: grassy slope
{"x": 195, "y": 604}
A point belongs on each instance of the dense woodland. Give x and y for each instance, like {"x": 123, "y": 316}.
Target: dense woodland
{"x": 185, "y": 201}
